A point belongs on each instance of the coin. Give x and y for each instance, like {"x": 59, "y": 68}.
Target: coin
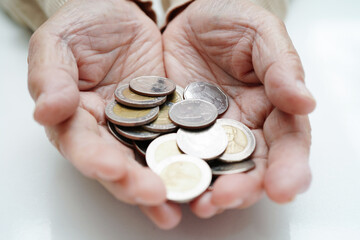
{"x": 222, "y": 168}
{"x": 161, "y": 148}
{"x": 206, "y": 144}
{"x": 193, "y": 114}
{"x": 125, "y": 96}
{"x": 176, "y": 96}
{"x": 152, "y": 86}
{"x": 185, "y": 177}
{"x": 125, "y": 116}
{"x": 136, "y": 133}
{"x": 241, "y": 140}
{"x": 127, "y": 142}
{"x": 207, "y": 92}
{"x": 163, "y": 122}
{"x": 141, "y": 146}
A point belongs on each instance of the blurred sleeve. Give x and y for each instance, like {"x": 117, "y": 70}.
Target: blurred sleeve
{"x": 33, "y": 13}
{"x": 174, "y": 7}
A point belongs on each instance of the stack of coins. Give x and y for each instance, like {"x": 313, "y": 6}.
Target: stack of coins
{"x": 148, "y": 111}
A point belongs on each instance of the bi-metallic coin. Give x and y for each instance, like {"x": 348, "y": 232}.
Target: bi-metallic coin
{"x": 152, "y": 86}
{"x": 127, "y": 142}
{"x": 163, "y": 122}
{"x": 141, "y": 146}
{"x": 125, "y": 96}
{"x": 241, "y": 140}
{"x": 161, "y": 148}
{"x": 206, "y": 144}
{"x": 208, "y": 92}
{"x": 129, "y": 117}
{"x": 136, "y": 133}
{"x": 193, "y": 114}
{"x": 185, "y": 177}
{"x": 222, "y": 168}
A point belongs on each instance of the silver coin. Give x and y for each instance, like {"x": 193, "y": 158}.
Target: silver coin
{"x": 136, "y": 133}
{"x": 185, "y": 177}
{"x": 152, "y": 86}
{"x": 127, "y": 142}
{"x": 141, "y": 146}
{"x": 129, "y": 117}
{"x": 221, "y": 168}
{"x": 125, "y": 96}
{"x": 206, "y": 144}
{"x": 208, "y": 92}
{"x": 193, "y": 114}
{"x": 161, "y": 148}
{"x": 241, "y": 140}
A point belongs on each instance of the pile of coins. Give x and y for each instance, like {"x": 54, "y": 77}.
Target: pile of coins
{"x": 146, "y": 113}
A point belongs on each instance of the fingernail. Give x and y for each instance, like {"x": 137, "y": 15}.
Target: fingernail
{"x": 302, "y": 89}
{"x": 236, "y": 203}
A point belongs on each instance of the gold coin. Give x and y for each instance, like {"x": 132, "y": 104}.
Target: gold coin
{"x": 176, "y": 96}
{"x": 125, "y": 96}
{"x": 125, "y": 116}
{"x": 152, "y": 86}
{"x": 241, "y": 141}
{"x": 133, "y": 96}
{"x": 163, "y": 122}
{"x": 237, "y": 140}
{"x": 125, "y": 112}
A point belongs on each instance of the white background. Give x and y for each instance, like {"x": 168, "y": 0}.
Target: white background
{"x": 43, "y": 197}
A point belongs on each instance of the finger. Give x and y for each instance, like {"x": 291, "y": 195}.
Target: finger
{"x": 140, "y": 186}
{"x": 79, "y": 140}
{"x": 203, "y": 207}
{"x": 239, "y": 190}
{"x": 289, "y": 142}
{"x": 96, "y": 154}
{"x": 165, "y": 216}
{"x": 235, "y": 190}
{"x": 278, "y": 66}
{"x": 52, "y": 78}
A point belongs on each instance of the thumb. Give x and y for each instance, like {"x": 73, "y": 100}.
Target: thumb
{"x": 52, "y": 78}
{"x": 278, "y": 66}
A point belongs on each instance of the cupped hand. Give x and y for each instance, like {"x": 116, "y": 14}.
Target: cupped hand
{"x": 247, "y": 51}
{"x": 76, "y": 60}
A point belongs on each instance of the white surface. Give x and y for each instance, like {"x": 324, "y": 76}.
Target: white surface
{"x": 44, "y": 197}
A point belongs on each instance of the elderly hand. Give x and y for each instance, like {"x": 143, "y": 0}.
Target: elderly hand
{"x": 246, "y": 50}
{"x": 76, "y": 60}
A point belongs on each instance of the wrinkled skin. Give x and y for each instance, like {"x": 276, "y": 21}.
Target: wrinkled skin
{"x": 247, "y": 51}
{"x": 80, "y": 55}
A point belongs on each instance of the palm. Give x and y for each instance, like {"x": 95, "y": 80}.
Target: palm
{"x": 214, "y": 42}
{"x": 78, "y": 58}
{"x": 102, "y": 51}
{"x": 203, "y": 51}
